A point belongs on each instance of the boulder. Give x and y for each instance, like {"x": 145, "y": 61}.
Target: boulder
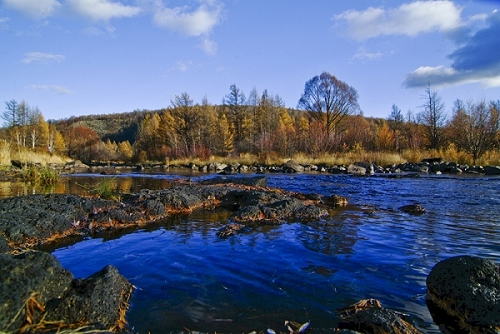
{"x": 38, "y": 295}
{"x": 463, "y": 294}
{"x": 361, "y": 168}
{"x": 292, "y": 166}
{"x": 27, "y": 282}
{"x": 356, "y": 170}
{"x": 492, "y": 170}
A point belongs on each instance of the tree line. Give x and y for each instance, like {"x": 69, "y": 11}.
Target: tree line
{"x": 327, "y": 119}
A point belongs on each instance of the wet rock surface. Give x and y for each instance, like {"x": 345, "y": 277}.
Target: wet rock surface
{"x": 368, "y": 316}
{"x": 463, "y": 295}
{"x": 38, "y": 295}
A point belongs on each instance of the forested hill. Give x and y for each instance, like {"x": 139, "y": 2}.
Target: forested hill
{"x": 115, "y": 127}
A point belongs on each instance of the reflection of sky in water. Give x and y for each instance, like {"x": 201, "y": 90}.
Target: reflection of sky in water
{"x": 187, "y": 277}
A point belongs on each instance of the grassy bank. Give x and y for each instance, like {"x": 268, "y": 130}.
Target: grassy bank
{"x": 379, "y": 158}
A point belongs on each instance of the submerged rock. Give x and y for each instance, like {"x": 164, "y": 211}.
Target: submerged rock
{"x": 37, "y": 294}
{"x": 413, "y": 209}
{"x": 463, "y": 295}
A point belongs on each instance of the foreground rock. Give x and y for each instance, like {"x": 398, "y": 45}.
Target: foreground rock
{"x": 463, "y": 295}
{"x": 368, "y": 316}
{"x": 38, "y": 295}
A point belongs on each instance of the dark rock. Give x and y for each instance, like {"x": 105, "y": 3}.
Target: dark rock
{"x": 256, "y": 181}
{"x": 463, "y": 295}
{"x": 35, "y": 287}
{"x": 413, "y": 209}
{"x": 335, "y": 200}
{"x": 32, "y": 277}
{"x": 492, "y": 170}
{"x": 100, "y": 300}
{"x": 292, "y": 166}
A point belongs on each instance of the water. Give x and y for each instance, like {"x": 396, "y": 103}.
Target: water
{"x": 189, "y": 279}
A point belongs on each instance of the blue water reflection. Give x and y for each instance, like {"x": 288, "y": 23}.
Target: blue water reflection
{"x": 188, "y": 278}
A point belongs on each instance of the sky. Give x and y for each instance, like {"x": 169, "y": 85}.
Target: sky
{"x": 83, "y": 57}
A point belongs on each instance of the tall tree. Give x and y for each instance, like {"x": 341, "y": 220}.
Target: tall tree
{"x": 186, "y": 119}
{"x": 433, "y": 117}
{"x": 396, "y": 124}
{"x": 329, "y": 100}
{"x": 10, "y": 114}
{"x": 475, "y": 127}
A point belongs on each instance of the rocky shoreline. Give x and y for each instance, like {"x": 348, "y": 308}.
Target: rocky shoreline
{"x": 426, "y": 166}
{"x": 37, "y": 294}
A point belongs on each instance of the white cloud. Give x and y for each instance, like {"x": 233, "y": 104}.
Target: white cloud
{"x": 40, "y": 57}
{"x": 409, "y": 19}
{"x": 198, "y": 22}
{"x": 209, "y": 46}
{"x": 34, "y": 8}
{"x": 103, "y": 10}
{"x": 60, "y": 90}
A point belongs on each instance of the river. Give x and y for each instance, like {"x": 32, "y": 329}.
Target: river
{"x": 187, "y": 278}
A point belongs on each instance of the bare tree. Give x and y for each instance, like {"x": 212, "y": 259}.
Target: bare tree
{"x": 475, "y": 126}
{"x": 433, "y": 117}
{"x": 329, "y": 100}
{"x": 10, "y": 114}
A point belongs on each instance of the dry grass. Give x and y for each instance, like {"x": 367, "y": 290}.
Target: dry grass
{"x": 42, "y": 158}
{"x": 4, "y": 153}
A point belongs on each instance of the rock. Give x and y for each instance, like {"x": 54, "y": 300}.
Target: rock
{"x": 230, "y": 229}
{"x": 292, "y": 166}
{"x": 334, "y": 200}
{"x": 361, "y": 168}
{"x": 463, "y": 294}
{"x": 100, "y": 301}
{"x": 216, "y": 166}
{"x": 26, "y": 280}
{"x": 368, "y": 316}
{"x": 492, "y": 170}
{"x": 38, "y": 295}
{"x": 413, "y": 209}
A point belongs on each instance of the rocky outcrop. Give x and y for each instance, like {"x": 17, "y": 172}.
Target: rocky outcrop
{"x": 463, "y": 295}
{"x": 37, "y": 295}
{"x": 28, "y": 221}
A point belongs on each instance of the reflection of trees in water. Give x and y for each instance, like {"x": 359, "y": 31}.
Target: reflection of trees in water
{"x": 329, "y": 237}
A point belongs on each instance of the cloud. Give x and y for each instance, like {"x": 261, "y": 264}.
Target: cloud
{"x": 103, "y": 10}
{"x": 198, "y": 22}
{"x": 34, "y": 8}
{"x": 408, "y": 19}
{"x": 365, "y": 55}
{"x": 60, "y": 90}
{"x": 476, "y": 60}
{"x": 40, "y": 57}
{"x": 209, "y": 46}
{"x": 4, "y": 25}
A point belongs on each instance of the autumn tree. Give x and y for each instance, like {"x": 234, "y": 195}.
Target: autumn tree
{"x": 235, "y": 103}
{"x": 329, "y": 100}
{"x": 396, "y": 124}
{"x": 433, "y": 117}
{"x": 81, "y": 142}
{"x": 186, "y": 120}
{"x": 475, "y": 126}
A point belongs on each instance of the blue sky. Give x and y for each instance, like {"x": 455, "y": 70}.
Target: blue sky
{"x": 80, "y": 57}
